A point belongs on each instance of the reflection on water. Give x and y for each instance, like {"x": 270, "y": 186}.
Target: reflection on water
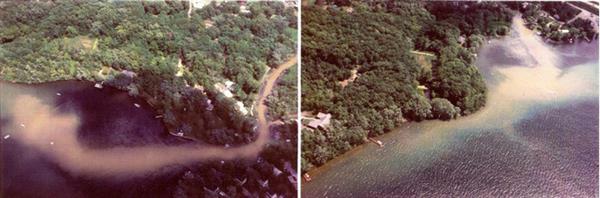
{"x": 537, "y": 135}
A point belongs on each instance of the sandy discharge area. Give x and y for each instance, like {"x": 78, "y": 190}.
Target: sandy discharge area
{"x": 539, "y": 80}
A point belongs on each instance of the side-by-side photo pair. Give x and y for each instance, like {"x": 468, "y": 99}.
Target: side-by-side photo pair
{"x": 295, "y": 98}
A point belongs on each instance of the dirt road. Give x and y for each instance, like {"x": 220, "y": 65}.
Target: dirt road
{"x": 265, "y": 91}
{"x": 30, "y": 126}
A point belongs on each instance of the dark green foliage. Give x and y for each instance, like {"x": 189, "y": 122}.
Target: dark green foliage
{"x": 376, "y": 40}
{"x": 283, "y": 101}
{"x": 96, "y": 41}
{"x": 444, "y": 110}
{"x": 229, "y": 176}
{"x": 459, "y": 83}
{"x": 47, "y": 41}
{"x": 560, "y": 10}
{"x": 489, "y": 18}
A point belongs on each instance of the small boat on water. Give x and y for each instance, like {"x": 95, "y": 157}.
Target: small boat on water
{"x": 306, "y": 177}
{"x": 378, "y": 142}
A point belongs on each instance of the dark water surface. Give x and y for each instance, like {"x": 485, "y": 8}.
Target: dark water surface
{"x": 537, "y": 136}
{"x": 108, "y": 118}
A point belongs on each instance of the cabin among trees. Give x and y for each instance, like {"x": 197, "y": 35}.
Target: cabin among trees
{"x": 322, "y": 121}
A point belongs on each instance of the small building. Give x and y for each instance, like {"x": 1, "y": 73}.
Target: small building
{"x": 242, "y": 108}
{"x": 208, "y": 23}
{"x": 290, "y": 3}
{"x": 263, "y": 183}
{"x": 129, "y": 74}
{"x": 240, "y": 182}
{"x": 461, "y": 40}
{"x": 287, "y": 166}
{"x": 209, "y": 106}
{"x": 322, "y": 121}
{"x": 224, "y": 90}
{"x": 276, "y": 171}
{"x": 229, "y": 84}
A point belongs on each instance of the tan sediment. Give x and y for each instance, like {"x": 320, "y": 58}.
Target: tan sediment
{"x": 509, "y": 101}
{"x": 38, "y": 125}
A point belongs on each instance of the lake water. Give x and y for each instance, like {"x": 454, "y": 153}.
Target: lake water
{"x": 108, "y": 118}
{"x": 536, "y": 137}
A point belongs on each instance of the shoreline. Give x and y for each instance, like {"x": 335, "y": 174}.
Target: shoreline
{"x": 327, "y": 165}
{"x": 316, "y": 172}
{"x": 269, "y": 81}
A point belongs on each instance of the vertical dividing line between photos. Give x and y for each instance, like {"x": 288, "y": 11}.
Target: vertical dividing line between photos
{"x": 299, "y": 98}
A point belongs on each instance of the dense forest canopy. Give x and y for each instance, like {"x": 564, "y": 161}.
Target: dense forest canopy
{"x": 172, "y": 61}
{"x": 380, "y": 40}
{"x": 153, "y": 50}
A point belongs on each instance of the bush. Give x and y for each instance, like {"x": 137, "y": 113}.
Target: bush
{"x": 443, "y": 109}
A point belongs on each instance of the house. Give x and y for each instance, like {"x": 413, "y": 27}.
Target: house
{"x": 213, "y": 193}
{"x": 242, "y": 108}
{"x": 322, "y": 121}
{"x": 246, "y": 193}
{"x": 288, "y": 167}
{"x": 461, "y": 40}
{"x": 208, "y": 23}
{"x": 276, "y": 171}
{"x": 240, "y": 182}
{"x": 292, "y": 180}
{"x": 209, "y": 106}
{"x": 224, "y": 89}
{"x": 264, "y": 184}
{"x": 243, "y": 7}
{"x": 129, "y": 74}
{"x": 290, "y": 3}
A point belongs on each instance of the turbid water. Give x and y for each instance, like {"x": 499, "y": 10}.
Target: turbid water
{"x": 107, "y": 118}
{"x": 537, "y": 135}
{"x": 69, "y": 139}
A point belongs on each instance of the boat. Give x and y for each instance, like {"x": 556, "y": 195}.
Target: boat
{"x": 378, "y": 142}
{"x": 306, "y": 177}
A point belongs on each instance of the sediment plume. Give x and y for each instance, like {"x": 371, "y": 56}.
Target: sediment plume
{"x": 41, "y": 126}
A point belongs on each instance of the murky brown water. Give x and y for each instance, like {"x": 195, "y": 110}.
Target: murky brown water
{"x": 537, "y": 136}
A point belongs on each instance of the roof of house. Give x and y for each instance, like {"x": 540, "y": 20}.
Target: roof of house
{"x": 314, "y": 123}
{"x": 323, "y": 119}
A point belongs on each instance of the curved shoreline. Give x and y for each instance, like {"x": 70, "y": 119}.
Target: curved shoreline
{"x": 70, "y": 154}
{"x": 509, "y": 107}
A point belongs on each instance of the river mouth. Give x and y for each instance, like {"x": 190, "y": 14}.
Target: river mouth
{"x": 537, "y": 135}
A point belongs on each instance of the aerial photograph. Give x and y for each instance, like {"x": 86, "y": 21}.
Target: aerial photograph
{"x": 449, "y": 99}
{"x": 148, "y": 98}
